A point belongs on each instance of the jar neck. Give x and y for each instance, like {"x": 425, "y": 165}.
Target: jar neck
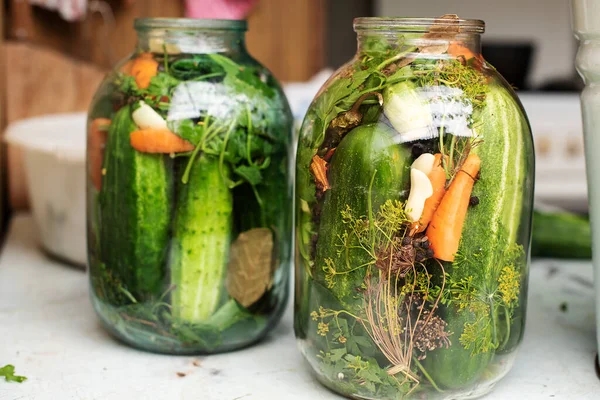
{"x": 369, "y": 41}
{"x": 181, "y": 35}
{"x": 194, "y": 42}
{"x": 425, "y": 37}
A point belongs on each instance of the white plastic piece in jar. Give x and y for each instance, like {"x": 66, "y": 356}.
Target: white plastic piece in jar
{"x": 420, "y": 190}
{"x": 146, "y": 118}
{"x": 424, "y": 163}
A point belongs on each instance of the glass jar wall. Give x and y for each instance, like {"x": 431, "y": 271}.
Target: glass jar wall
{"x": 414, "y": 177}
{"x": 189, "y": 191}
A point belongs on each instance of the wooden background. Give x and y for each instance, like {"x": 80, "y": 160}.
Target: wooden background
{"x": 55, "y": 66}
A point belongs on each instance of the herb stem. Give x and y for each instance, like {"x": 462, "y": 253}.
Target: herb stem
{"x": 370, "y": 206}
{"x": 507, "y": 318}
{"x": 166, "y": 58}
{"x": 249, "y": 136}
{"x": 451, "y": 155}
{"x": 206, "y": 76}
{"x": 426, "y": 374}
{"x": 493, "y": 320}
{"x": 395, "y": 58}
{"x": 222, "y": 157}
{"x": 188, "y": 168}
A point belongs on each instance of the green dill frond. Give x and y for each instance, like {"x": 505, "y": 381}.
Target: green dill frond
{"x": 452, "y": 73}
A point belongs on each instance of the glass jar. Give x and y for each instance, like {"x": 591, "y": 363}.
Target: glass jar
{"x": 415, "y": 173}
{"x": 189, "y": 191}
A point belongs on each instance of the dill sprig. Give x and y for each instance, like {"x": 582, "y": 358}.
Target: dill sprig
{"x": 452, "y": 73}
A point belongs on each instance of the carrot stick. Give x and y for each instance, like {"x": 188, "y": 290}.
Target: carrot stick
{"x": 97, "y": 140}
{"x": 446, "y": 225}
{"x": 437, "y": 177}
{"x": 126, "y": 68}
{"x": 458, "y": 49}
{"x": 158, "y": 141}
{"x": 143, "y": 68}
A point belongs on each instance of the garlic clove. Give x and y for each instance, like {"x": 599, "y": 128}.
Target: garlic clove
{"x": 424, "y": 163}
{"x": 420, "y": 190}
{"x": 146, "y": 118}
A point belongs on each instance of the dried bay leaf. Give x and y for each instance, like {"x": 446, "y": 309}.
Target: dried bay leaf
{"x": 250, "y": 263}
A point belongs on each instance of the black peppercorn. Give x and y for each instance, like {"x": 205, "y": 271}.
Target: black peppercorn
{"x": 417, "y": 149}
{"x": 473, "y": 201}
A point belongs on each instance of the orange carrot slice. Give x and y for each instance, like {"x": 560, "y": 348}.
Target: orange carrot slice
{"x": 437, "y": 177}
{"x": 143, "y": 68}
{"x": 96, "y": 141}
{"x": 158, "y": 141}
{"x": 446, "y": 225}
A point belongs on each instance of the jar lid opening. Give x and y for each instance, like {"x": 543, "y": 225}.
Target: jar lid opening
{"x": 410, "y": 24}
{"x": 190, "y": 23}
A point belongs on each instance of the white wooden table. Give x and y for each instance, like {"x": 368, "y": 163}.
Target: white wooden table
{"x": 48, "y": 330}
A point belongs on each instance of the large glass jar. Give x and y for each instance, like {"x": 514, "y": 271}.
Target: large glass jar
{"x": 415, "y": 169}
{"x": 189, "y": 191}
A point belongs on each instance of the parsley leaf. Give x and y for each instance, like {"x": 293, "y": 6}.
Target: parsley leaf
{"x": 326, "y": 104}
{"x": 8, "y": 372}
{"x": 249, "y": 173}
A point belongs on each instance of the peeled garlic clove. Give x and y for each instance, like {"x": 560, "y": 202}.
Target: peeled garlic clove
{"x": 424, "y": 163}
{"x": 146, "y": 118}
{"x": 420, "y": 190}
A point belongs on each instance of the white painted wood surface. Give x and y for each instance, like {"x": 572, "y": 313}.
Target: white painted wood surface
{"x": 48, "y": 330}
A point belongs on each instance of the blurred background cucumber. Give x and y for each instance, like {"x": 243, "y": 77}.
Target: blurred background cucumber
{"x": 561, "y": 234}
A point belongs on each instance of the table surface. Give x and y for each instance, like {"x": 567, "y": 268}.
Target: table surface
{"x": 48, "y": 330}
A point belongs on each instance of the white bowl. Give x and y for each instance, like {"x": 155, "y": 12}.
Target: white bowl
{"x": 54, "y": 156}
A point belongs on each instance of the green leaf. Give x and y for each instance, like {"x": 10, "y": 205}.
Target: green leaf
{"x": 250, "y": 174}
{"x": 375, "y": 45}
{"x": 337, "y": 354}
{"x": 401, "y": 74}
{"x": 8, "y": 372}
{"x": 162, "y": 84}
{"x": 362, "y": 341}
{"x": 263, "y": 106}
{"x": 198, "y": 67}
{"x": 189, "y": 131}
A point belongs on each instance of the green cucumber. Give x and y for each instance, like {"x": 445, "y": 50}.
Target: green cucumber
{"x": 134, "y": 213}
{"x": 201, "y": 239}
{"x": 366, "y": 167}
{"x": 454, "y": 367}
{"x": 506, "y": 174}
{"x": 500, "y": 221}
{"x": 561, "y": 235}
{"x": 505, "y": 193}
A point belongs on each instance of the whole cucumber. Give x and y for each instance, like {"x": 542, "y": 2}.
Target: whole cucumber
{"x": 561, "y": 235}
{"x": 499, "y": 221}
{"x": 134, "y": 213}
{"x": 201, "y": 240}
{"x": 366, "y": 167}
{"x": 503, "y": 217}
{"x": 454, "y": 367}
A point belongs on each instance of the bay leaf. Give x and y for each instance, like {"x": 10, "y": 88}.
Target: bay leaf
{"x": 249, "y": 270}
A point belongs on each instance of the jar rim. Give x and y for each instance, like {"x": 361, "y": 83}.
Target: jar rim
{"x": 416, "y": 24}
{"x": 190, "y": 23}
